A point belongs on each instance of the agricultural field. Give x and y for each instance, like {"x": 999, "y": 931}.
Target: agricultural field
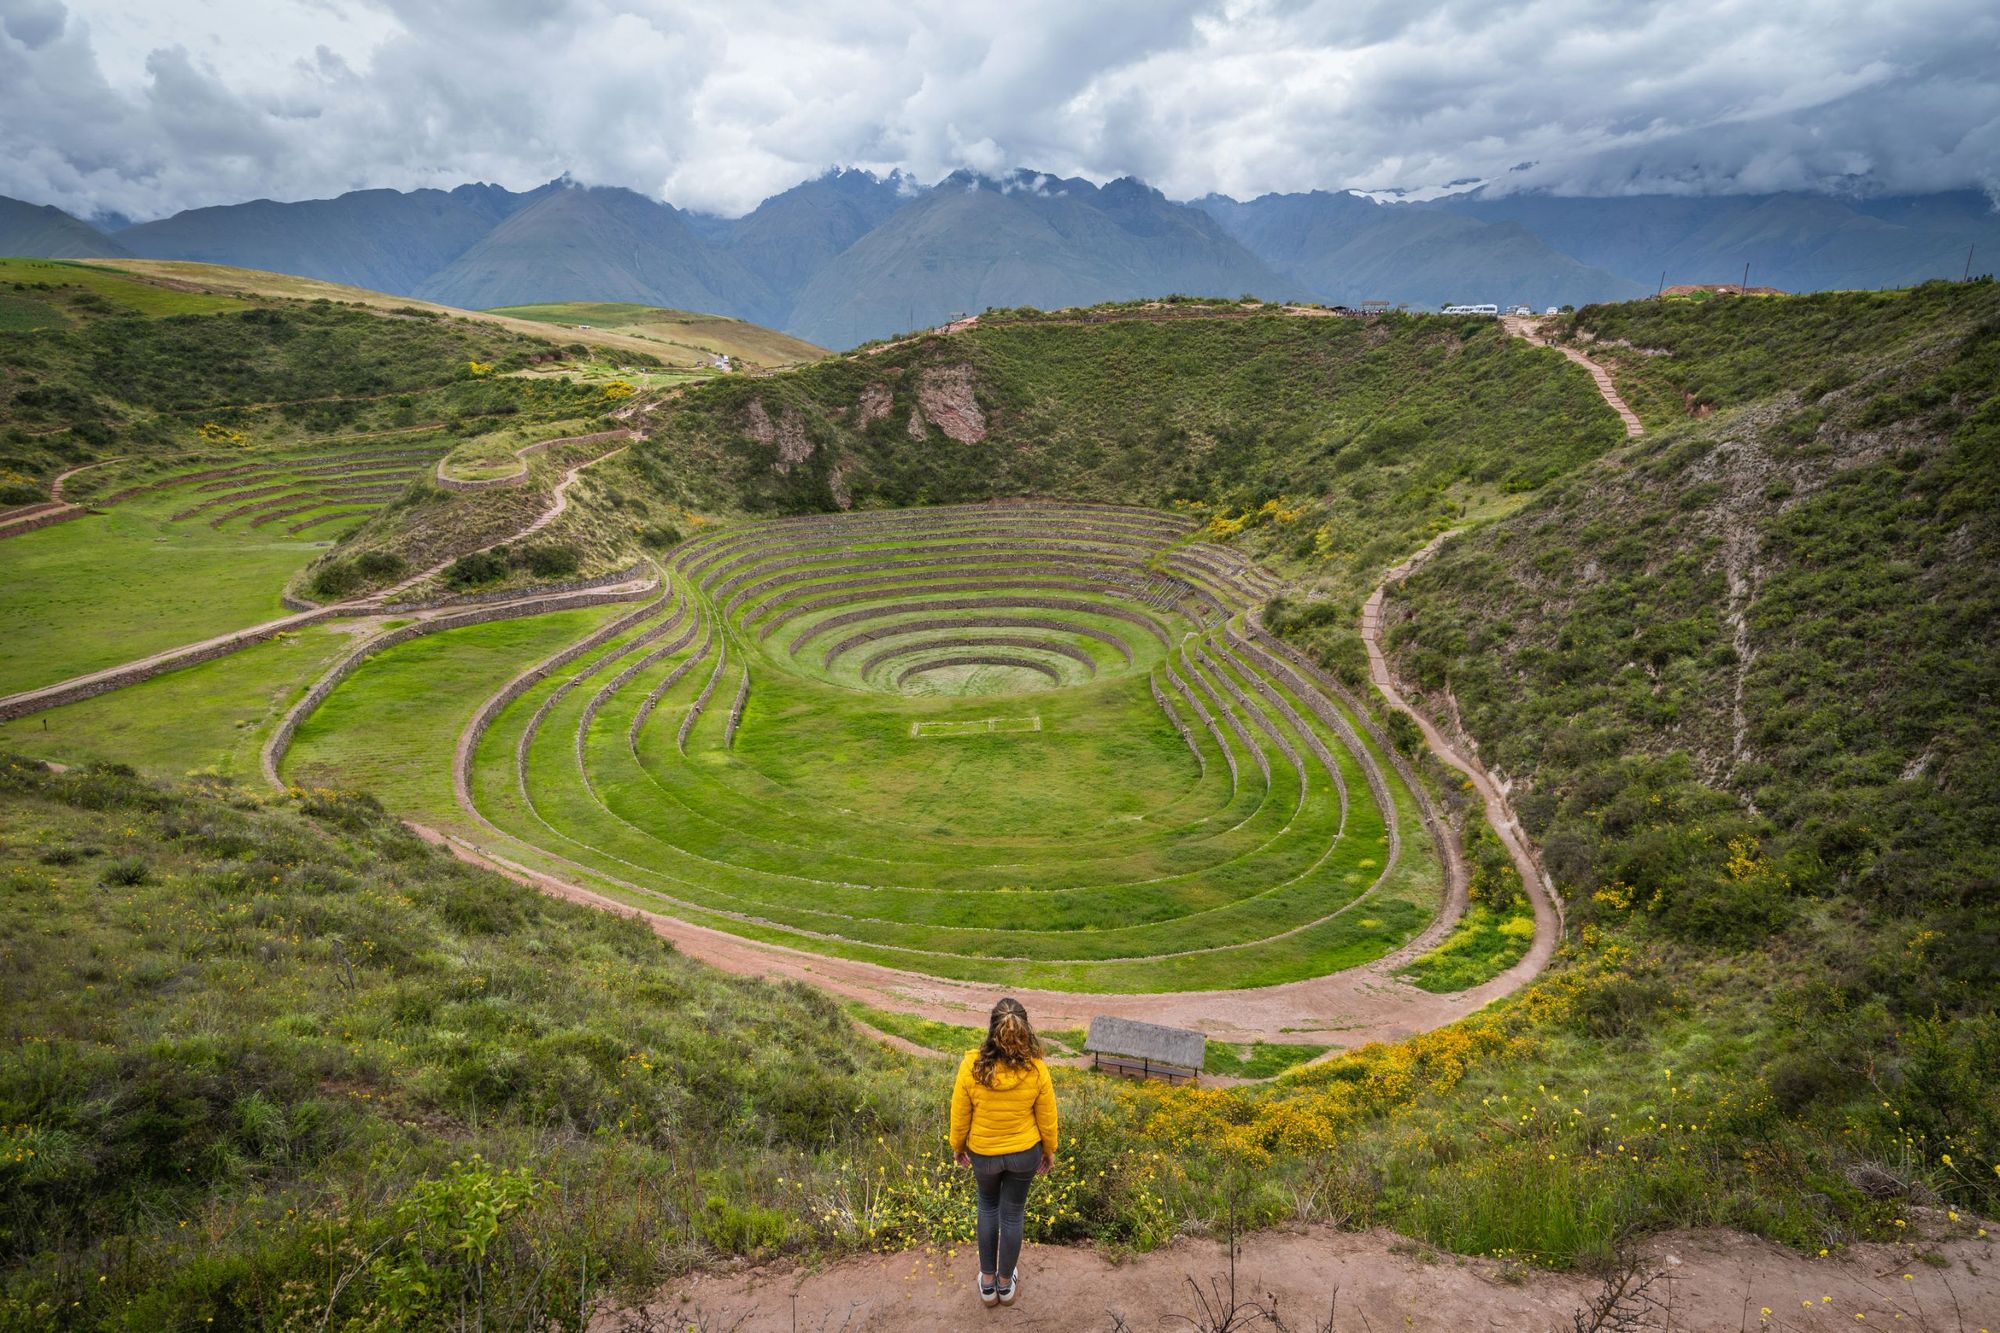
{"x": 679, "y": 337}
{"x": 172, "y": 555}
{"x": 878, "y": 736}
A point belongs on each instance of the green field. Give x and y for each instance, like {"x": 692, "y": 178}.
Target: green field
{"x": 677, "y": 335}
{"x": 1048, "y": 825}
{"x": 190, "y": 556}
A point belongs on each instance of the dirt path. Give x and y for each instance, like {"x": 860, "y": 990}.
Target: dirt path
{"x": 560, "y": 504}
{"x": 55, "y": 509}
{"x": 1531, "y": 331}
{"x": 1499, "y": 813}
{"x": 1709, "y": 1280}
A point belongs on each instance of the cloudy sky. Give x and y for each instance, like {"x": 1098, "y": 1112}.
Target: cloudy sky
{"x": 148, "y": 106}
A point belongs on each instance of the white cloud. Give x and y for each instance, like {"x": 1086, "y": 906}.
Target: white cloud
{"x": 147, "y": 106}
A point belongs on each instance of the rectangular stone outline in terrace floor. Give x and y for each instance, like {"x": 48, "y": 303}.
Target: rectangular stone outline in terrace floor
{"x": 977, "y": 726}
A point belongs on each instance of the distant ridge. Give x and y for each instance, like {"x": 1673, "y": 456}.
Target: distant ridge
{"x": 849, "y": 256}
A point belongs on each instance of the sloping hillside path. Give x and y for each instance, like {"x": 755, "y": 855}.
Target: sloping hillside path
{"x": 55, "y": 509}
{"x": 1530, "y": 330}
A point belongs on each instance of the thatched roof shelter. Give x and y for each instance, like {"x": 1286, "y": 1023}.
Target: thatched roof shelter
{"x": 1149, "y": 1050}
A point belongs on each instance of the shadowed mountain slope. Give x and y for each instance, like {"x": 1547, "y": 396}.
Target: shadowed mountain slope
{"x": 604, "y": 245}
{"x": 384, "y": 240}
{"x": 50, "y": 233}
{"x": 1024, "y": 239}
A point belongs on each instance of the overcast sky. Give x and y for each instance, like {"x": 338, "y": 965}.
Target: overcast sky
{"x": 149, "y": 106}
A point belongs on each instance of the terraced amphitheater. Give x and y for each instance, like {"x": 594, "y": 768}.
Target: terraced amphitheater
{"x": 1040, "y": 743}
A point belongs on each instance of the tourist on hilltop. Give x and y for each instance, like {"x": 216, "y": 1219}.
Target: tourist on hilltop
{"x": 1003, "y": 1126}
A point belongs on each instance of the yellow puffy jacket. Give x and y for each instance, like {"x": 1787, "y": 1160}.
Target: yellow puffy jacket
{"x": 1017, "y": 1111}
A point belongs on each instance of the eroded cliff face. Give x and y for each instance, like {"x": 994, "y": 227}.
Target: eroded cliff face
{"x": 788, "y": 433}
{"x": 944, "y": 395}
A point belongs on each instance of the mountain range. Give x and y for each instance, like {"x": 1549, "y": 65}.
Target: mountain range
{"x": 850, "y": 256}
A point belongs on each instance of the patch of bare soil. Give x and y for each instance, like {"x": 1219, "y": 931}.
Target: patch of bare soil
{"x": 1320, "y": 1278}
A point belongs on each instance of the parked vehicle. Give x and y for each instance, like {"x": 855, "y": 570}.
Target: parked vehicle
{"x": 1472, "y": 310}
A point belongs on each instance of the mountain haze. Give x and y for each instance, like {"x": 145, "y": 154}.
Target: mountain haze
{"x": 1025, "y": 239}
{"x": 600, "y": 244}
{"x": 849, "y": 255}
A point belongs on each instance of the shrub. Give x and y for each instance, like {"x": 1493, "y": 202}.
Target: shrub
{"x": 127, "y": 871}
{"x": 549, "y": 561}
{"x": 469, "y": 571}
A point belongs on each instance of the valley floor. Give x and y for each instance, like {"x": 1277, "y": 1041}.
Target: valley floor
{"x": 1706, "y": 1280}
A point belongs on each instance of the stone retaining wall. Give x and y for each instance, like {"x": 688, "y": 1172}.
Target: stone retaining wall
{"x": 281, "y": 739}
{"x": 118, "y": 678}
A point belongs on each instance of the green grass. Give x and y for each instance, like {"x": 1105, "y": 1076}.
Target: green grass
{"x": 1259, "y": 1060}
{"x": 209, "y": 718}
{"x": 124, "y": 293}
{"x": 18, "y": 314}
{"x": 1088, "y": 854}
{"x": 391, "y": 727}
{"x": 680, "y": 334}
{"x": 1481, "y": 946}
{"x": 109, "y": 588}
{"x": 952, "y": 1038}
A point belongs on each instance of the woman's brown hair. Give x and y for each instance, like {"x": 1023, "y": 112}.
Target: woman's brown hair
{"x": 1010, "y": 1041}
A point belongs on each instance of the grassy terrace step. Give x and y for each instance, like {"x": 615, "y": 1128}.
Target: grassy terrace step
{"x": 732, "y": 774}
{"x": 1133, "y": 798}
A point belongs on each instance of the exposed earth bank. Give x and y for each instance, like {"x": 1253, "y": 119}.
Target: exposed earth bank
{"x": 1701, "y": 1280}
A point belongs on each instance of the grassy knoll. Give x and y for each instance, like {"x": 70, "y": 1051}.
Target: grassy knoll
{"x": 681, "y": 336}
{"x": 94, "y": 368}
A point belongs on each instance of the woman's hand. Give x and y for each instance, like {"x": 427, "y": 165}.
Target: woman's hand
{"x": 1048, "y": 1164}
{"x": 962, "y": 1157}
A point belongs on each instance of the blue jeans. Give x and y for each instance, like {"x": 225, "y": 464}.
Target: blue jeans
{"x": 1003, "y": 1205}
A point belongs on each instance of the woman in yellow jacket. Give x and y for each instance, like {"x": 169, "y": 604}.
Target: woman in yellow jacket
{"x": 1003, "y": 1126}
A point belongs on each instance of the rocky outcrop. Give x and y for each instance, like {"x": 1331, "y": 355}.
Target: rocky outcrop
{"x": 945, "y": 395}
{"x": 874, "y": 406}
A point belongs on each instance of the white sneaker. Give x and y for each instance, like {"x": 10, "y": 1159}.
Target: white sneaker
{"x": 987, "y": 1295}
{"x": 1010, "y": 1288}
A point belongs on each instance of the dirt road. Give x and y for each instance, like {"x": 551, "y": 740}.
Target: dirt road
{"x": 1708, "y": 1281}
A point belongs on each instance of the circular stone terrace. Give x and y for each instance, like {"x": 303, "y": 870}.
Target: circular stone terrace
{"x": 1044, "y": 745}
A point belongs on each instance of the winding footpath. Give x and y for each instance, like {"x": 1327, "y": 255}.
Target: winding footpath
{"x": 55, "y": 509}
{"x": 1530, "y": 331}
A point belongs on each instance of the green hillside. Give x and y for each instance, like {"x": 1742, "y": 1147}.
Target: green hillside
{"x": 1743, "y": 673}
{"x": 273, "y": 1062}
{"x": 682, "y": 334}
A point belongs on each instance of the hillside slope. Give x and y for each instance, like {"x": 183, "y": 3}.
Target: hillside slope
{"x": 575, "y": 243}
{"x": 1024, "y": 239}
{"x": 383, "y": 240}
{"x": 50, "y": 233}
{"x": 1341, "y": 443}
{"x": 1742, "y": 676}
